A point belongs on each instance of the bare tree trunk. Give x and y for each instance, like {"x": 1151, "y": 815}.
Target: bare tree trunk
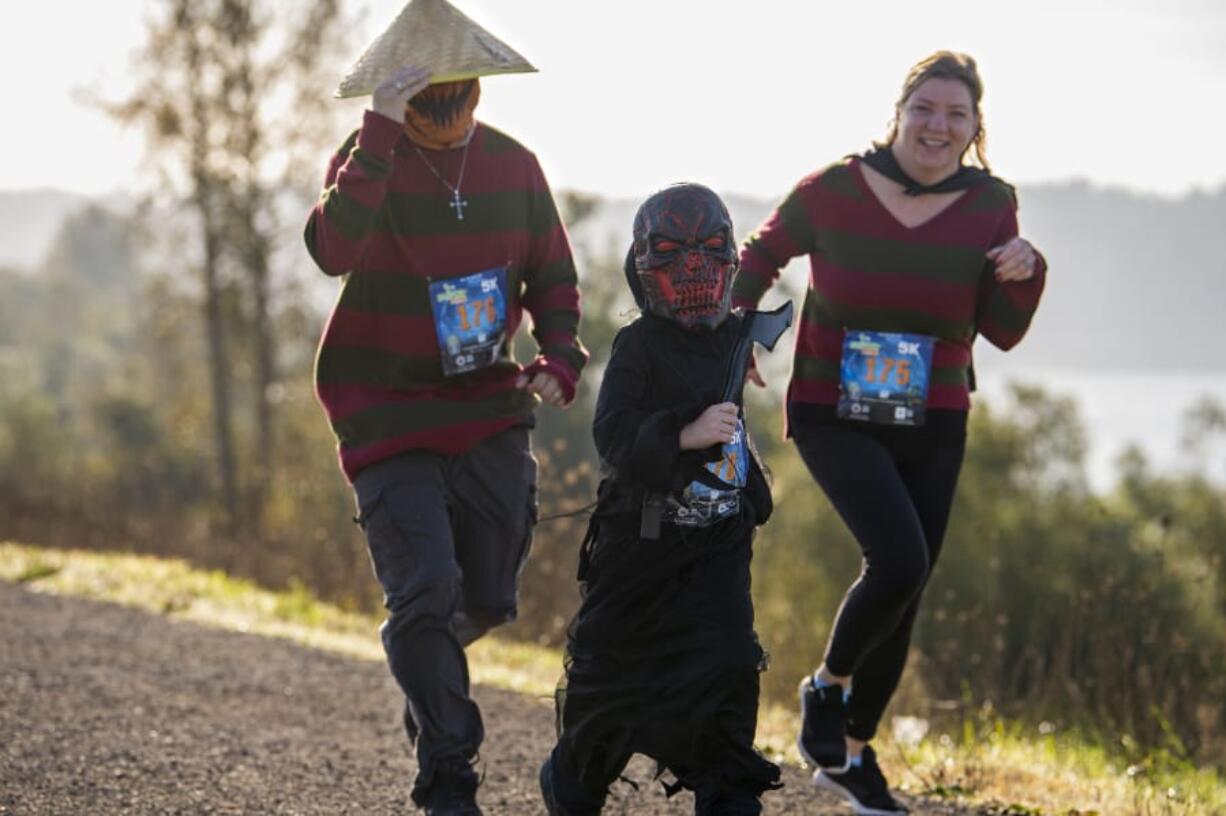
{"x": 265, "y": 369}
{"x": 205, "y": 189}
{"x": 202, "y": 99}
{"x": 252, "y": 208}
{"x": 219, "y": 371}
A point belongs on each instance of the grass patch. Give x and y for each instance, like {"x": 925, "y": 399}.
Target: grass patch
{"x": 174, "y": 588}
{"x": 1008, "y": 768}
{"x": 1025, "y": 770}
{"x": 35, "y": 571}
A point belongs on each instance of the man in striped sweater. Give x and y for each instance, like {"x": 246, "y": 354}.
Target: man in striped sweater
{"x": 445, "y": 232}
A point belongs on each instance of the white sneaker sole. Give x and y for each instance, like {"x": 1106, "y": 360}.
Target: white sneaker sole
{"x": 800, "y": 743}
{"x": 824, "y": 782}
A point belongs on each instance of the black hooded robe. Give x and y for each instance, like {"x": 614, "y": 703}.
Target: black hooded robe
{"x": 662, "y": 658}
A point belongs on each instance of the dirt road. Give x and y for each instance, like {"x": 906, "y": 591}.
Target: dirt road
{"x": 110, "y": 710}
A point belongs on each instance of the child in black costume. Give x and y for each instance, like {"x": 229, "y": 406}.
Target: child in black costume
{"x": 662, "y": 658}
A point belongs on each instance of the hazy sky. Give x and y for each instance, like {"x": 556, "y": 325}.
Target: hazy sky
{"x": 745, "y": 95}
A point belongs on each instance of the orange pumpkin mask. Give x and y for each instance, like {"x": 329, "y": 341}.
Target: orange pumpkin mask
{"x": 441, "y": 115}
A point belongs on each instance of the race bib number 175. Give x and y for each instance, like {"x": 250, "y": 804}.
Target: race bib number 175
{"x": 884, "y": 377}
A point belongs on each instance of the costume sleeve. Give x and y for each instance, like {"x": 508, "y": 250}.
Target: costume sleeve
{"x": 641, "y": 444}
{"x": 354, "y": 190}
{"x": 1005, "y": 309}
{"x": 551, "y": 290}
{"x": 785, "y": 234}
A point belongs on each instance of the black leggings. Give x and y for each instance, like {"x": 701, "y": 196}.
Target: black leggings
{"x": 893, "y": 487}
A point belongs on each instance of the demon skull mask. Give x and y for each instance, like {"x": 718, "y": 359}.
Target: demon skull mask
{"x": 684, "y": 256}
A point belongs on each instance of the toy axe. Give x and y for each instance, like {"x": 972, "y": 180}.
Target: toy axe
{"x": 763, "y": 328}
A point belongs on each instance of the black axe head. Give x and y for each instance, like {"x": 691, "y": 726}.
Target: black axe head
{"x": 765, "y": 328}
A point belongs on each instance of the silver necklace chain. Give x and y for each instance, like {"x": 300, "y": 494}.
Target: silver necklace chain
{"x": 458, "y": 204}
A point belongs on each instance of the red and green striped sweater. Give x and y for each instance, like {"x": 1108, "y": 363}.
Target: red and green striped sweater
{"x": 383, "y": 222}
{"x": 870, "y": 272}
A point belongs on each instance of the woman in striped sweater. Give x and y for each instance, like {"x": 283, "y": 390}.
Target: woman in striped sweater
{"x": 913, "y": 252}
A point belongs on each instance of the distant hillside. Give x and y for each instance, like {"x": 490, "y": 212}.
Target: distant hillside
{"x": 28, "y": 221}
{"x": 1137, "y": 282}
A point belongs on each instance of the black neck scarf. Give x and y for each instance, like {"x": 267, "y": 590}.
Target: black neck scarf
{"x": 882, "y": 160}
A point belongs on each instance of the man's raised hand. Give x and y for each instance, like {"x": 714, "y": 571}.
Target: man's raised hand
{"x": 394, "y": 92}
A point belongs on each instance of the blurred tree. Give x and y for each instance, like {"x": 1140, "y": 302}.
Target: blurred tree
{"x": 569, "y": 471}
{"x": 576, "y": 207}
{"x": 1048, "y": 603}
{"x": 216, "y": 76}
{"x": 1106, "y": 612}
{"x": 183, "y": 103}
{"x": 1203, "y": 434}
{"x": 93, "y": 252}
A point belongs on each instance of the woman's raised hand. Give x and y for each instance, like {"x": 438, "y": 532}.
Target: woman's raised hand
{"x": 1015, "y": 260}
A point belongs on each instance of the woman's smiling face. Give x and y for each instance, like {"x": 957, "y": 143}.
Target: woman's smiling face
{"x": 936, "y": 124}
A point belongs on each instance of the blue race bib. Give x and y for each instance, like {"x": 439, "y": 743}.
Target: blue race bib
{"x": 470, "y": 316}
{"x": 702, "y": 506}
{"x": 884, "y": 376}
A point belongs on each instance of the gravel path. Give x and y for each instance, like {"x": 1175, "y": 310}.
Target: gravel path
{"x": 109, "y": 710}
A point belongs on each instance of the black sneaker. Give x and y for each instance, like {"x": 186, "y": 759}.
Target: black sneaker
{"x": 453, "y": 791}
{"x": 823, "y": 726}
{"x": 863, "y": 786}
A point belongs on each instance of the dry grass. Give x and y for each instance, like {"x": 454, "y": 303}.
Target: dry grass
{"x": 174, "y": 588}
{"x": 1003, "y": 766}
{"x": 1014, "y": 771}
{"x": 1044, "y": 774}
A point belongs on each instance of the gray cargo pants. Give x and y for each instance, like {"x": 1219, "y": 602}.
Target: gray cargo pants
{"x": 448, "y": 536}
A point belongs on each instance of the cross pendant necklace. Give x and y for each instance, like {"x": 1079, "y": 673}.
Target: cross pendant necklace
{"x": 458, "y": 204}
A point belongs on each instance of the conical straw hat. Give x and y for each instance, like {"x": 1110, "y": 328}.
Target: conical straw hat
{"x": 433, "y": 34}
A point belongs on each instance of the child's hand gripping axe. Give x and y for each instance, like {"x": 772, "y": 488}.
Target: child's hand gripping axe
{"x": 763, "y": 328}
